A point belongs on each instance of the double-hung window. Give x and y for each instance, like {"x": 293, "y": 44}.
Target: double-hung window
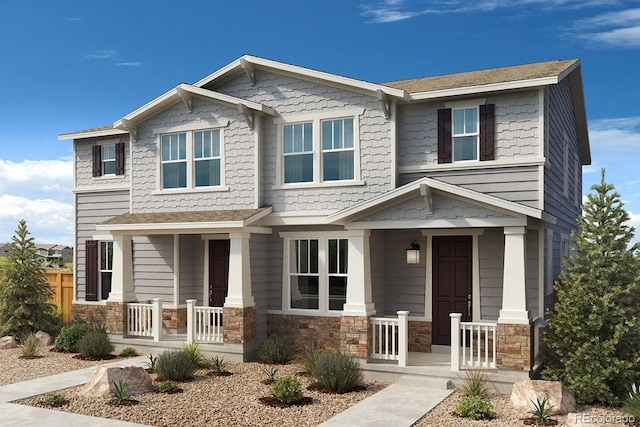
{"x": 465, "y": 134}
{"x": 298, "y": 152}
{"x": 191, "y": 160}
{"x": 466, "y": 131}
{"x": 106, "y": 268}
{"x": 337, "y": 150}
{"x": 317, "y": 273}
{"x": 108, "y": 159}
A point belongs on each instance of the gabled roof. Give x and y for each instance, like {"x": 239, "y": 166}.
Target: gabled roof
{"x": 412, "y": 189}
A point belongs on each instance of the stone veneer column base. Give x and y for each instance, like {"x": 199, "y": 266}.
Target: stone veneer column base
{"x": 115, "y": 319}
{"x": 513, "y": 349}
{"x": 95, "y": 314}
{"x": 175, "y": 319}
{"x": 420, "y": 336}
{"x": 239, "y": 324}
{"x": 355, "y": 336}
{"x": 305, "y": 330}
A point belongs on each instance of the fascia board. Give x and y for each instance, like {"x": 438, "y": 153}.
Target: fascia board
{"x": 257, "y": 216}
{"x": 91, "y": 134}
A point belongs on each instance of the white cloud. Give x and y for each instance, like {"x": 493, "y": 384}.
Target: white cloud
{"x": 38, "y": 191}
{"x": 620, "y": 134}
{"x": 618, "y": 29}
{"x": 129, "y": 64}
{"x": 103, "y": 54}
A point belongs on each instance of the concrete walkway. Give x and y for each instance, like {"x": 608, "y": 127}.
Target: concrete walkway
{"x": 401, "y": 404}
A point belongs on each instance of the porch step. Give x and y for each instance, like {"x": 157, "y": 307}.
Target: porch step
{"x": 401, "y": 404}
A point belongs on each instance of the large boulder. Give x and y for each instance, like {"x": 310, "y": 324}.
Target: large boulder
{"x": 103, "y": 381}
{"x": 8, "y": 342}
{"x": 559, "y": 398}
{"x": 44, "y": 338}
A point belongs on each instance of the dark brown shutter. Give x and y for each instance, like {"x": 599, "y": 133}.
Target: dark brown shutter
{"x": 444, "y": 135}
{"x": 486, "y": 132}
{"x": 97, "y": 160}
{"x": 120, "y": 158}
{"x": 91, "y": 270}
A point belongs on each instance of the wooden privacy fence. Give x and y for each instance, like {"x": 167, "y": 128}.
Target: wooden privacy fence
{"x": 62, "y": 284}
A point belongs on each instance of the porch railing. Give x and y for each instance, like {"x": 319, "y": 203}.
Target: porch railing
{"x": 145, "y": 320}
{"x": 204, "y": 323}
{"x": 476, "y": 344}
{"x": 390, "y": 338}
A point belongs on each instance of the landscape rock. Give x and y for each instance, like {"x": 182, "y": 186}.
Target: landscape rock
{"x": 558, "y": 396}
{"x": 102, "y": 382}
{"x": 8, "y": 342}
{"x": 44, "y": 338}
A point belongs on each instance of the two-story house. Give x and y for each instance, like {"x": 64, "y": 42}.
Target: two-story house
{"x": 295, "y": 202}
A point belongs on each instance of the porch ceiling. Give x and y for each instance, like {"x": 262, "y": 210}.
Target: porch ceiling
{"x": 193, "y": 221}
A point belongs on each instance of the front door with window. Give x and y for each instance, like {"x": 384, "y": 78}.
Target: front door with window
{"x": 452, "y": 284}
{"x": 218, "y": 272}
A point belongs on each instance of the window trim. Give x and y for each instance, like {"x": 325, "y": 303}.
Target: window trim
{"x": 475, "y": 134}
{"x": 103, "y": 161}
{"x": 316, "y": 121}
{"x": 120, "y": 157}
{"x": 101, "y": 270}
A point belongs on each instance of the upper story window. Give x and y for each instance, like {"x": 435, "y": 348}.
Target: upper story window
{"x": 191, "y": 159}
{"x": 466, "y": 132}
{"x": 108, "y": 159}
{"x": 321, "y": 149}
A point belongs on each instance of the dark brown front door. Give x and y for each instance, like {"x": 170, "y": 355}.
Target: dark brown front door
{"x": 218, "y": 272}
{"x": 451, "y": 284}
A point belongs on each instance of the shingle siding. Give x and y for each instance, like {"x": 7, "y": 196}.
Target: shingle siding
{"x": 84, "y": 164}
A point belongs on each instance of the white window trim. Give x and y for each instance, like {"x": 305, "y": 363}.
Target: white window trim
{"x": 100, "y": 270}
{"x": 462, "y": 105}
{"x": 102, "y": 160}
{"x": 323, "y": 238}
{"x": 462, "y": 135}
{"x": 190, "y": 159}
{"x": 316, "y": 120}
{"x": 113, "y": 176}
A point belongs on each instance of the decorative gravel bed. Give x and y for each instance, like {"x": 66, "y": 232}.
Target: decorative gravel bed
{"x": 213, "y": 400}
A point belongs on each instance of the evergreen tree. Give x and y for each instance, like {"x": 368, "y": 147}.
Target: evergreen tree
{"x": 24, "y": 290}
{"x": 593, "y": 336}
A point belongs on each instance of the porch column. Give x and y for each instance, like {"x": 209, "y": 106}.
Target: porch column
{"x": 359, "y": 296}
{"x": 122, "y": 275}
{"x": 514, "y": 297}
{"x": 239, "y": 294}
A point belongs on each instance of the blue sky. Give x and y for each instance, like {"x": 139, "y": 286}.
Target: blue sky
{"x": 71, "y": 65}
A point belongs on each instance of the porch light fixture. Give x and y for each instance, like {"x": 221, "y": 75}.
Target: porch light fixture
{"x": 413, "y": 253}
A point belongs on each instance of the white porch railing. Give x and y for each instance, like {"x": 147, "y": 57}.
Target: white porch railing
{"x": 204, "y": 323}
{"x": 391, "y": 338}
{"x": 473, "y": 344}
{"x": 145, "y": 320}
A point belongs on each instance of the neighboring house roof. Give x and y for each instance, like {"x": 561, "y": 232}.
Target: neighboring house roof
{"x": 185, "y": 220}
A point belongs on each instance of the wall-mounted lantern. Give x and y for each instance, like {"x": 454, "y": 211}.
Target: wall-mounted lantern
{"x": 413, "y": 253}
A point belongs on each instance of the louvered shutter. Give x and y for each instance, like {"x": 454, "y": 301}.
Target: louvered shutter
{"x": 91, "y": 270}
{"x": 120, "y": 158}
{"x": 97, "y": 160}
{"x": 444, "y": 135}
{"x": 486, "y": 132}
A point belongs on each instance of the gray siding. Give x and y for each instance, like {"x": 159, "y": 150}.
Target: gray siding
{"x": 260, "y": 265}
{"x": 378, "y": 242}
{"x": 153, "y": 267}
{"x": 84, "y": 163}
{"x": 532, "y": 272}
{"x": 191, "y": 269}
{"x": 91, "y": 209}
{"x": 275, "y": 272}
{"x": 491, "y": 259}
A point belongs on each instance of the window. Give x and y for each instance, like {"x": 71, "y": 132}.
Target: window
{"x": 465, "y": 134}
{"x": 320, "y": 149}
{"x": 108, "y": 159}
{"x": 106, "y": 268}
{"x": 191, "y": 159}
{"x": 337, "y": 150}
{"x": 317, "y": 273}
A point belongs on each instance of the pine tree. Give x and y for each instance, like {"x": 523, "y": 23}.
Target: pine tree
{"x": 593, "y": 336}
{"x": 24, "y": 290}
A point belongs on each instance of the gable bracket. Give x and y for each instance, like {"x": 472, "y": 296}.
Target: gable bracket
{"x": 186, "y": 98}
{"x": 248, "y": 70}
{"x": 427, "y": 194}
{"x": 248, "y": 115}
{"x": 385, "y": 103}
{"x": 131, "y": 128}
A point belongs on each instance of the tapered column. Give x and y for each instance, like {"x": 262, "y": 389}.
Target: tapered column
{"x": 239, "y": 294}
{"x": 359, "y": 296}
{"x": 514, "y": 295}
{"x": 122, "y": 272}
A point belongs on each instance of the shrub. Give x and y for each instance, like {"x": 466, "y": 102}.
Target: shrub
{"x": 195, "y": 353}
{"x": 151, "y": 364}
{"x": 174, "y": 365}
{"x": 287, "y": 390}
{"x": 476, "y": 408}
{"x": 631, "y": 405}
{"x": 219, "y": 365}
{"x": 128, "y": 352}
{"x": 271, "y": 375}
{"x": 168, "y": 387}
{"x": 337, "y": 372}
{"x": 308, "y": 354}
{"x": 474, "y": 383}
{"x": 31, "y": 347}
{"x": 95, "y": 343}
{"x": 541, "y": 412}
{"x": 275, "y": 349}
{"x": 54, "y": 399}
{"x": 121, "y": 394}
{"x": 70, "y": 335}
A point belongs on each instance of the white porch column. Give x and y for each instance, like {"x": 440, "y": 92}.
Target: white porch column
{"x": 359, "y": 295}
{"x": 122, "y": 275}
{"x": 191, "y": 320}
{"x": 239, "y": 294}
{"x": 514, "y": 296}
{"x": 456, "y": 318}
